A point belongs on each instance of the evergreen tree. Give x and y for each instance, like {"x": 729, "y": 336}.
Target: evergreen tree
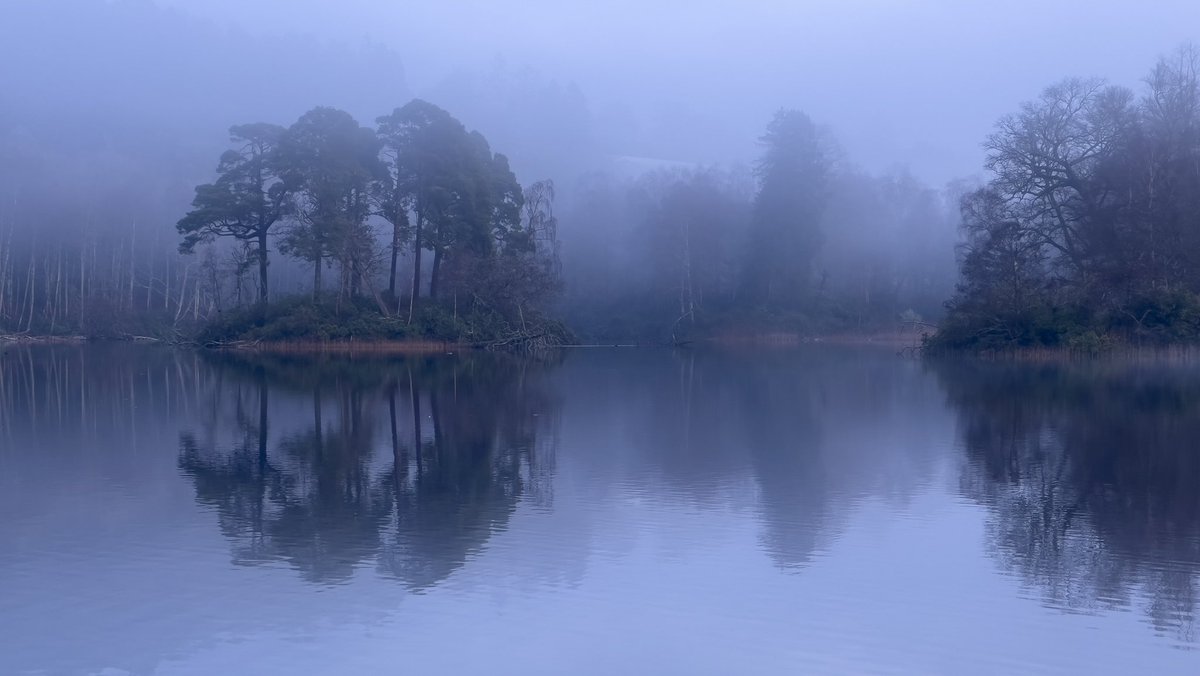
{"x": 785, "y": 233}
{"x": 330, "y": 164}
{"x": 247, "y": 200}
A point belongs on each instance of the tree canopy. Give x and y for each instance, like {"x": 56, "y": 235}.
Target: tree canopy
{"x": 330, "y": 164}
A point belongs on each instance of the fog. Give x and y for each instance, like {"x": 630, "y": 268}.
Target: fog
{"x": 113, "y": 111}
{"x": 903, "y": 83}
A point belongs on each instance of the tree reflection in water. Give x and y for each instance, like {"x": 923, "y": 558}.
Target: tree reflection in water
{"x": 406, "y": 464}
{"x": 1090, "y": 474}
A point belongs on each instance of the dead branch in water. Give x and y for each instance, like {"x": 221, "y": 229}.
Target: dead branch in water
{"x": 522, "y": 341}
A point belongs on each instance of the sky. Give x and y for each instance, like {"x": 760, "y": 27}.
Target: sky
{"x": 911, "y": 84}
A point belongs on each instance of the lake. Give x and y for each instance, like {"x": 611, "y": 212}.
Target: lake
{"x": 811, "y": 510}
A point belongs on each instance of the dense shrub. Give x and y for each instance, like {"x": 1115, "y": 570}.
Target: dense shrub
{"x": 302, "y": 319}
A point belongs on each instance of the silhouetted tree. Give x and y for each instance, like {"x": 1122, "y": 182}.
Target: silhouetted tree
{"x": 424, "y": 148}
{"x": 1092, "y": 200}
{"x": 484, "y": 210}
{"x": 247, "y": 200}
{"x": 785, "y": 230}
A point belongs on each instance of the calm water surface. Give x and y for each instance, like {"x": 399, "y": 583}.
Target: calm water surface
{"x": 821, "y": 510}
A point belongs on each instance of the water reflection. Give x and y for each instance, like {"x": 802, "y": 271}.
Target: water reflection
{"x": 410, "y": 465}
{"x": 460, "y": 448}
{"x": 1090, "y": 475}
{"x": 157, "y": 502}
{"x": 797, "y": 438}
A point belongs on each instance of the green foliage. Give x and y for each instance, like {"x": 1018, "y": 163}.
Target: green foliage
{"x": 1153, "y": 319}
{"x": 439, "y": 323}
{"x": 1160, "y": 318}
{"x": 1090, "y": 342}
{"x": 301, "y": 319}
{"x": 1035, "y": 327}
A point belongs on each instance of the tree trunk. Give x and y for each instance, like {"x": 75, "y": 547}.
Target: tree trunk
{"x": 317, "y": 279}
{"x": 30, "y": 293}
{"x": 416, "y": 280}
{"x": 366, "y": 279}
{"x": 263, "y": 296}
{"x": 82, "y": 279}
{"x": 132, "y": 272}
{"x": 395, "y": 258}
{"x": 7, "y": 251}
{"x": 354, "y": 281}
{"x": 437, "y": 268}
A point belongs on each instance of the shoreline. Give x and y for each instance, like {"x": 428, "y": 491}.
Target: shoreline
{"x": 905, "y": 342}
{"x": 1177, "y": 352}
{"x": 416, "y": 346}
{"x": 343, "y": 347}
{"x": 23, "y": 339}
{"x": 906, "y": 339}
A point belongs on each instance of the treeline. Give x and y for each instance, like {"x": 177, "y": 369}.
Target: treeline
{"x": 416, "y": 228}
{"x": 801, "y": 243}
{"x": 98, "y": 284}
{"x": 1086, "y": 233}
{"x": 411, "y": 226}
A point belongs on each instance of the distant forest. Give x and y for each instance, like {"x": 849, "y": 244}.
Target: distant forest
{"x": 182, "y": 197}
